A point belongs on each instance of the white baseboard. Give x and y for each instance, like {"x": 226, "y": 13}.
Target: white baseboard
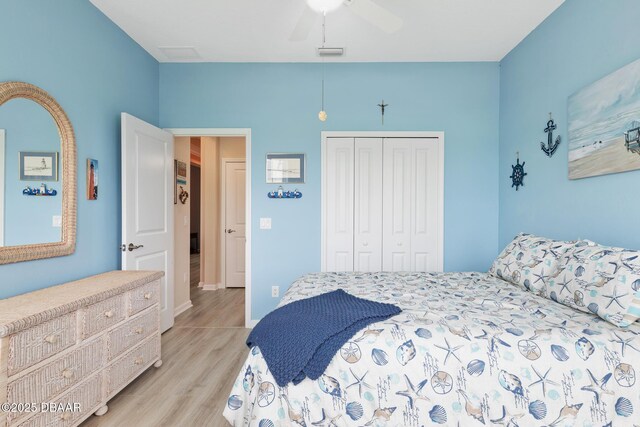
{"x": 182, "y": 308}
{"x": 201, "y": 284}
{"x": 252, "y": 323}
{"x": 208, "y": 287}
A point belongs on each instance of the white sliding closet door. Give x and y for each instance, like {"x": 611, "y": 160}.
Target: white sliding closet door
{"x": 339, "y": 169}
{"x": 367, "y": 245}
{"x": 411, "y": 208}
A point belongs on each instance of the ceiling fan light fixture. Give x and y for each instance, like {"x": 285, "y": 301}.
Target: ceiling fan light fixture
{"x": 324, "y": 6}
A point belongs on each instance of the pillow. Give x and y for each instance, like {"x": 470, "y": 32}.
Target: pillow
{"x": 599, "y": 279}
{"x": 529, "y": 261}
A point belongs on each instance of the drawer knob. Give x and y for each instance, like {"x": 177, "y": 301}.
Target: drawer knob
{"x": 67, "y": 373}
{"x": 138, "y": 360}
{"x": 51, "y": 339}
{"x": 65, "y": 416}
{"x": 139, "y": 331}
{"x": 147, "y": 295}
{"x": 108, "y": 314}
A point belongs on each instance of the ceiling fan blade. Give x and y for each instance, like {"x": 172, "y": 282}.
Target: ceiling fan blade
{"x": 304, "y": 25}
{"x": 376, "y": 15}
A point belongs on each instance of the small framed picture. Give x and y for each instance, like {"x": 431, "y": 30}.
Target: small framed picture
{"x": 92, "y": 179}
{"x": 179, "y": 177}
{"x": 285, "y": 168}
{"x": 38, "y": 166}
{"x": 181, "y": 172}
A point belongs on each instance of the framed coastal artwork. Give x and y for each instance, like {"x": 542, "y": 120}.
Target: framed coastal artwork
{"x": 604, "y": 125}
{"x": 285, "y": 168}
{"x": 92, "y": 179}
{"x": 38, "y": 166}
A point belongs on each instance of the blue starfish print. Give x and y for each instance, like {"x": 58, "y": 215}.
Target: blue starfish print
{"x": 411, "y": 393}
{"x": 624, "y": 343}
{"x": 542, "y": 380}
{"x": 540, "y": 276}
{"x": 614, "y": 297}
{"x": 359, "y": 382}
{"x": 597, "y": 386}
{"x": 451, "y": 351}
{"x": 564, "y": 285}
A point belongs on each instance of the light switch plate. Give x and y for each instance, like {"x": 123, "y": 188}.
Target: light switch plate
{"x": 275, "y": 291}
{"x": 265, "y": 223}
{"x": 56, "y": 221}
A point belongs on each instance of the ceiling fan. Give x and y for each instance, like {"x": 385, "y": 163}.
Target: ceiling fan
{"x": 366, "y": 9}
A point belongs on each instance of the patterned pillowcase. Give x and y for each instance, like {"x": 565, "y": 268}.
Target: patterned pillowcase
{"x": 528, "y": 261}
{"x": 601, "y": 280}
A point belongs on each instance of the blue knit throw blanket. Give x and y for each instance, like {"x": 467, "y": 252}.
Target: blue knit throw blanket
{"x": 299, "y": 339}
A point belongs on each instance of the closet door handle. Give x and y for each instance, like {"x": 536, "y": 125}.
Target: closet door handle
{"x": 231, "y": 231}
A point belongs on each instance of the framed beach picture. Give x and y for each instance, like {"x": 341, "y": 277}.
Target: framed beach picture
{"x": 285, "y": 168}
{"x": 38, "y": 166}
{"x": 604, "y": 125}
{"x": 92, "y": 179}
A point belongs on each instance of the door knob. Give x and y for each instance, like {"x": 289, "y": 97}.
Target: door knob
{"x": 231, "y": 231}
{"x": 133, "y": 247}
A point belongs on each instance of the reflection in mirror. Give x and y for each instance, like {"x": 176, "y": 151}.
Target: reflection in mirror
{"x": 29, "y": 157}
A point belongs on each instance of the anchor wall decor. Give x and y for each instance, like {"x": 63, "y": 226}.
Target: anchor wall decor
{"x": 551, "y": 146}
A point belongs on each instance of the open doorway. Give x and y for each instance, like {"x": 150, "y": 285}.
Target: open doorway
{"x": 212, "y": 236}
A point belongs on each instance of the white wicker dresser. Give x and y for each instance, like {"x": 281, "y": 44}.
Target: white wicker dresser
{"x": 66, "y": 350}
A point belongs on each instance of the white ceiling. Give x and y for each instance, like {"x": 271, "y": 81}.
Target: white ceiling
{"x": 259, "y": 30}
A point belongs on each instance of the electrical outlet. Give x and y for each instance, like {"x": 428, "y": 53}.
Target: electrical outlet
{"x": 56, "y": 221}
{"x": 265, "y": 223}
{"x": 275, "y": 291}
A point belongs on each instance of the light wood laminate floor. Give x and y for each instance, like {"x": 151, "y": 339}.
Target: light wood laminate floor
{"x": 201, "y": 355}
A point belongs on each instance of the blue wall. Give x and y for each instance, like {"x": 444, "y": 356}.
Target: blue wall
{"x": 280, "y": 102}
{"x": 95, "y": 71}
{"x": 583, "y": 41}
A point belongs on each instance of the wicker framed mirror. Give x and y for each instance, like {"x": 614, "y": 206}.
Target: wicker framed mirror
{"x": 55, "y": 234}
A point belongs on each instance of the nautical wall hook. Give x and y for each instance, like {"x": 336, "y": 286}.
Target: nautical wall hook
{"x": 551, "y": 146}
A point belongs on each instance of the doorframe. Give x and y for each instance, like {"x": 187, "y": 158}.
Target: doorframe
{"x": 223, "y": 206}
{"x": 324, "y": 135}
{"x": 246, "y": 133}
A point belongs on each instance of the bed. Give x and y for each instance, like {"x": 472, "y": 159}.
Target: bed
{"x": 468, "y": 349}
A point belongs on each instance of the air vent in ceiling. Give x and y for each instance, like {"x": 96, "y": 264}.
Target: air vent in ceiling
{"x": 180, "y": 53}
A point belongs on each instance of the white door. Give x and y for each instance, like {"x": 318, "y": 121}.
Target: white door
{"x": 234, "y": 223}
{"x": 147, "y": 205}
{"x": 396, "y": 191}
{"x": 411, "y": 193}
{"x": 339, "y": 174}
{"x": 367, "y": 244}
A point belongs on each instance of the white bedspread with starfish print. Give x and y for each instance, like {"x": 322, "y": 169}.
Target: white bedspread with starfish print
{"x": 468, "y": 349}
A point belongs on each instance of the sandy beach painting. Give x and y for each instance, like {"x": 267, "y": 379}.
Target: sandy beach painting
{"x": 604, "y": 125}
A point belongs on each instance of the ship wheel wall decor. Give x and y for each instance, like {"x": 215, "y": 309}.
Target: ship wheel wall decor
{"x": 518, "y": 174}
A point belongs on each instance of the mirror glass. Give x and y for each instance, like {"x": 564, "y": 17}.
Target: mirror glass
{"x": 30, "y": 175}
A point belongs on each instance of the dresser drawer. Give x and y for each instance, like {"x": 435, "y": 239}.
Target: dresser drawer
{"x": 102, "y": 315}
{"x": 132, "y": 364}
{"x": 56, "y": 377}
{"x": 143, "y": 297}
{"x": 132, "y": 332}
{"x": 87, "y": 396}
{"x": 35, "y": 344}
